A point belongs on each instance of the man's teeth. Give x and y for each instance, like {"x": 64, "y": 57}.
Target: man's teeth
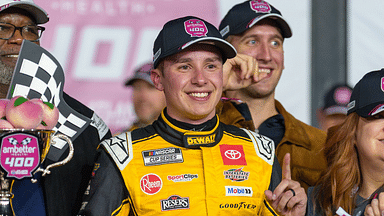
{"x": 12, "y": 56}
{"x": 264, "y": 70}
{"x": 199, "y": 95}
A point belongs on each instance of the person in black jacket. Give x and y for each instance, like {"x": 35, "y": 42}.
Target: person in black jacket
{"x": 60, "y": 192}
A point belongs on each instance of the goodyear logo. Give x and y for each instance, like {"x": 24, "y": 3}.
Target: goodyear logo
{"x": 201, "y": 140}
{"x": 238, "y": 206}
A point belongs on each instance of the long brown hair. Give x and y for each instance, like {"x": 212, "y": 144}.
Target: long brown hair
{"x": 336, "y": 186}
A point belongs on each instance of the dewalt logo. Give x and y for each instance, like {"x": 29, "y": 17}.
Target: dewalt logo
{"x": 201, "y": 140}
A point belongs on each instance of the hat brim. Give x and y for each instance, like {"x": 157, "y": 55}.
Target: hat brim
{"x": 131, "y": 81}
{"x": 37, "y": 12}
{"x": 227, "y": 50}
{"x": 283, "y": 24}
{"x": 371, "y": 109}
{"x": 333, "y": 110}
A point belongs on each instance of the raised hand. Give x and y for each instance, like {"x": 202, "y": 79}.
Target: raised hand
{"x": 288, "y": 198}
{"x": 240, "y": 72}
{"x": 376, "y": 207}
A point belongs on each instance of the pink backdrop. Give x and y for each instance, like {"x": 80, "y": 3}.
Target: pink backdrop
{"x": 100, "y": 42}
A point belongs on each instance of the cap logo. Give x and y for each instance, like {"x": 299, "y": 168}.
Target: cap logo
{"x": 342, "y": 95}
{"x": 224, "y": 31}
{"x": 260, "y": 6}
{"x": 144, "y": 71}
{"x": 4, "y": 7}
{"x": 145, "y": 68}
{"x": 195, "y": 28}
{"x": 351, "y": 105}
{"x": 382, "y": 84}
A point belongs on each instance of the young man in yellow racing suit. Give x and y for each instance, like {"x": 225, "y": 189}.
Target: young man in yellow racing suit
{"x": 187, "y": 162}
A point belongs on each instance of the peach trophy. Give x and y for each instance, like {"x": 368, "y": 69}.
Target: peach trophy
{"x": 26, "y": 136}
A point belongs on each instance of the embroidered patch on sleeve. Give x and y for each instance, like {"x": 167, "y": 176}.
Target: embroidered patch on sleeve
{"x": 264, "y": 146}
{"x": 120, "y": 149}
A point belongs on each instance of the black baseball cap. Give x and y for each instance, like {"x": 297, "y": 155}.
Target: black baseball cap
{"x": 336, "y": 100}
{"x": 181, "y": 33}
{"x": 245, "y": 15}
{"x": 143, "y": 72}
{"x": 367, "y": 97}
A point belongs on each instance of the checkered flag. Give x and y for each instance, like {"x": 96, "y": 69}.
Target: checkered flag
{"x": 13, "y": 141}
{"x": 39, "y": 75}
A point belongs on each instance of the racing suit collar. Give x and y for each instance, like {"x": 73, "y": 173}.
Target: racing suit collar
{"x": 207, "y": 134}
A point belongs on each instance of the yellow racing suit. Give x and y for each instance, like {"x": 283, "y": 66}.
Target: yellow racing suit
{"x": 163, "y": 169}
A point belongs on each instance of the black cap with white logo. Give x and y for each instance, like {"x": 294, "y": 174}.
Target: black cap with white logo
{"x": 245, "y": 15}
{"x": 367, "y": 97}
{"x": 181, "y": 33}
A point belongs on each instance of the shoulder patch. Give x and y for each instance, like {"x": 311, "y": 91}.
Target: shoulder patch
{"x": 264, "y": 146}
{"x": 100, "y": 125}
{"x": 120, "y": 149}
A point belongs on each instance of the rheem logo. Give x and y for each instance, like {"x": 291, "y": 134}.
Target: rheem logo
{"x": 151, "y": 184}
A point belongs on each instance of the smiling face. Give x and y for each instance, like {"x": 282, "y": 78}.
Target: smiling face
{"x": 370, "y": 142}
{"x": 192, "y": 82}
{"x": 264, "y": 42}
{"x": 9, "y": 49}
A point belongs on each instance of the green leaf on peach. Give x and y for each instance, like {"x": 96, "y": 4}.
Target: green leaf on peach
{"x": 50, "y": 105}
{"x": 19, "y": 101}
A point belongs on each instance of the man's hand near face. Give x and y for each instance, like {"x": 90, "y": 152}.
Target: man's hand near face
{"x": 240, "y": 72}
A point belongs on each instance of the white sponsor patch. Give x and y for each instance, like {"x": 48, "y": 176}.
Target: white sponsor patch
{"x": 100, "y": 125}
{"x": 238, "y": 191}
{"x": 162, "y": 156}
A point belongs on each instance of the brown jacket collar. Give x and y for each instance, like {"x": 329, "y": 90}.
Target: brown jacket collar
{"x": 294, "y": 130}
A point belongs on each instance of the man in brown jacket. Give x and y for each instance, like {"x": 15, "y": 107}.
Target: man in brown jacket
{"x": 257, "y": 30}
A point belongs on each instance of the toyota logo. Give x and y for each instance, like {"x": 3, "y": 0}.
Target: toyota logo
{"x": 232, "y": 154}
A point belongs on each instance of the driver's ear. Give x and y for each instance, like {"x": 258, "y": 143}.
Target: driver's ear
{"x": 156, "y": 79}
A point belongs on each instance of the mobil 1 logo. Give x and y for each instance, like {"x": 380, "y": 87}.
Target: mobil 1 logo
{"x": 238, "y": 191}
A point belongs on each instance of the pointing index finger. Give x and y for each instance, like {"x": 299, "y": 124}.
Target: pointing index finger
{"x": 286, "y": 169}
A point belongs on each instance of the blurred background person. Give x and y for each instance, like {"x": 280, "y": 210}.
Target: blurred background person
{"x": 334, "y": 110}
{"x": 147, "y": 100}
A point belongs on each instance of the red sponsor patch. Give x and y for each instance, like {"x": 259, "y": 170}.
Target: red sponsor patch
{"x": 233, "y": 155}
{"x": 151, "y": 184}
